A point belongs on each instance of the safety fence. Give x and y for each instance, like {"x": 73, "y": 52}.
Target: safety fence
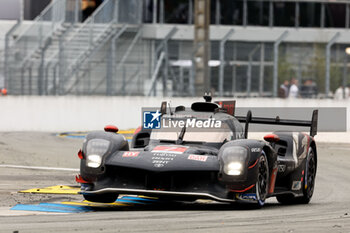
{"x": 110, "y": 54}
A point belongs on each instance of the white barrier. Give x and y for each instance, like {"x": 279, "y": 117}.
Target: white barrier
{"x": 72, "y": 113}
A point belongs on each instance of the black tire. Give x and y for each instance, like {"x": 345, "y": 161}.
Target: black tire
{"x": 102, "y": 198}
{"x": 308, "y": 183}
{"x": 262, "y": 180}
{"x": 309, "y": 178}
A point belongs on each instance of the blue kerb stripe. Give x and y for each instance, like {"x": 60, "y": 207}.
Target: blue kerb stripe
{"x": 57, "y": 205}
{"x": 129, "y": 201}
{"x": 46, "y": 207}
{"x": 66, "y": 208}
{"x": 75, "y": 136}
{"x": 38, "y": 208}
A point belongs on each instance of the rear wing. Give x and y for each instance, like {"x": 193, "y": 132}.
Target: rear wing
{"x": 277, "y": 121}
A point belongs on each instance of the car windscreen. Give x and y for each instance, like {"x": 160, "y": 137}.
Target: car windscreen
{"x": 194, "y": 130}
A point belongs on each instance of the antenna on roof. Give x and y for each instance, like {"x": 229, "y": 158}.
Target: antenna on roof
{"x": 207, "y": 97}
{"x": 163, "y": 108}
{"x": 171, "y": 113}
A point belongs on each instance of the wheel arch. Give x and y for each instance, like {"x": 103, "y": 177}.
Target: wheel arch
{"x": 255, "y": 148}
{"x": 117, "y": 142}
{"x": 271, "y": 155}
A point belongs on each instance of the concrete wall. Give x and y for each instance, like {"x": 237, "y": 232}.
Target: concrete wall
{"x": 249, "y": 34}
{"x": 72, "y": 113}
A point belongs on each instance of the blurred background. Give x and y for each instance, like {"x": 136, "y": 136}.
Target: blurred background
{"x": 232, "y": 48}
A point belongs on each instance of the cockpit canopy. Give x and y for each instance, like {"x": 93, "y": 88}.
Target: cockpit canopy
{"x": 204, "y": 127}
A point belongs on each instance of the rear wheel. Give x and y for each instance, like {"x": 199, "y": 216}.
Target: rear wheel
{"x": 309, "y": 178}
{"x": 262, "y": 180}
{"x": 103, "y": 198}
{"x": 308, "y": 183}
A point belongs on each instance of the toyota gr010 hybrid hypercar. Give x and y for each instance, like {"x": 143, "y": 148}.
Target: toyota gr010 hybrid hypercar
{"x": 183, "y": 160}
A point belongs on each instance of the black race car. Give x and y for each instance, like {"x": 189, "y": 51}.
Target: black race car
{"x": 183, "y": 160}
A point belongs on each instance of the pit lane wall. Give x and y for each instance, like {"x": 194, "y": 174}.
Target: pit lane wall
{"x": 72, "y": 113}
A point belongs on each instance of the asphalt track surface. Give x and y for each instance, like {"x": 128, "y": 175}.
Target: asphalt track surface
{"x": 329, "y": 210}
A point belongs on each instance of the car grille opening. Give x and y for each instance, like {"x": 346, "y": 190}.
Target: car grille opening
{"x": 170, "y": 181}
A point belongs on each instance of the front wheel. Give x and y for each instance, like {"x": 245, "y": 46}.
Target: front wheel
{"x": 103, "y": 198}
{"x": 262, "y": 180}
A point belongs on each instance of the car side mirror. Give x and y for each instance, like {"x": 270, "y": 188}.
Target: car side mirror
{"x": 111, "y": 128}
{"x": 271, "y": 138}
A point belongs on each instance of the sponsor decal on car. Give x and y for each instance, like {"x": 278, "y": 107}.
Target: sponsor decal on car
{"x": 130, "y": 154}
{"x": 246, "y": 196}
{"x": 296, "y": 185}
{"x": 156, "y": 161}
{"x": 160, "y": 159}
{"x": 172, "y": 149}
{"x": 201, "y": 158}
{"x": 257, "y": 149}
{"x": 162, "y": 154}
{"x": 281, "y": 168}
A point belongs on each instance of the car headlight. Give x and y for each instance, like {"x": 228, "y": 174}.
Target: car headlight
{"x": 233, "y": 168}
{"x": 233, "y": 159}
{"x": 94, "y": 161}
{"x": 95, "y": 149}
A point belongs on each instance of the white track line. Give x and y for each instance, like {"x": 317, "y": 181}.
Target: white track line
{"x": 40, "y": 168}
